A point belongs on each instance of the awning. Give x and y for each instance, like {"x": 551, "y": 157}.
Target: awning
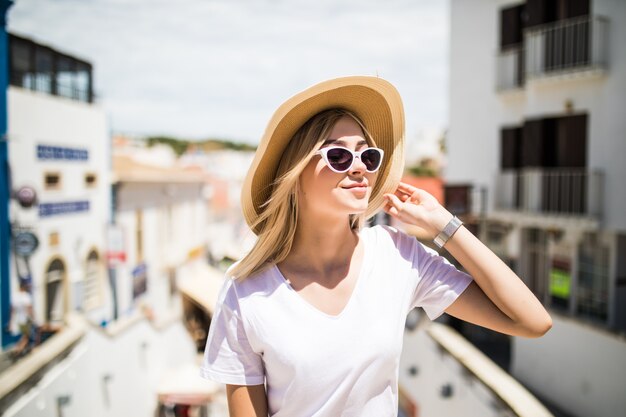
{"x": 203, "y": 286}
{"x": 183, "y": 385}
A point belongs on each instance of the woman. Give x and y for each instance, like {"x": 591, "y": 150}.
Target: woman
{"x": 310, "y": 322}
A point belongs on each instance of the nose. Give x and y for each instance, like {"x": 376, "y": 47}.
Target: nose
{"x": 358, "y": 167}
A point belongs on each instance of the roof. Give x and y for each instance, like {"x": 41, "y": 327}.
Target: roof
{"x": 126, "y": 169}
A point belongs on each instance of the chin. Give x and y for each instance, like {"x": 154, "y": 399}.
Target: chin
{"x": 359, "y": 209}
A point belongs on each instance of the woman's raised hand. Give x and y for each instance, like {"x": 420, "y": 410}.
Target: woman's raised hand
{"x": 415, "y": 206}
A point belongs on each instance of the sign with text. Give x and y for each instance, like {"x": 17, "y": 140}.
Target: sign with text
{"x": 54, "y": 209}
{"x": 47, "y": 152}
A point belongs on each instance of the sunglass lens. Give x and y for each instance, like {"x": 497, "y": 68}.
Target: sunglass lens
{"x": 371, "y": 158}
{"x": 339, "y": 159}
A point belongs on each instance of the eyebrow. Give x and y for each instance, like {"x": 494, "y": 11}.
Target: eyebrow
{"x": 341, "y": 142}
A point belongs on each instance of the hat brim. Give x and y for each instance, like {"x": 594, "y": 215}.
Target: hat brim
{"x": 373, "y": 100}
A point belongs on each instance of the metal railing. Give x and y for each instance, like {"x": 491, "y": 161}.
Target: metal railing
{"x": 566, "y": 46}
{"x": 510, "y": 68}
{"x": 574, "y": 192}
{"x": 575, "y": 44}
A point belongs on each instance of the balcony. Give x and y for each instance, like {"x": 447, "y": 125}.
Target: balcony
{"x": 510, "y": 70}
{"x": 575, "y": 193}
{"x": 576, "y": 46}
{"x": 573, "y": 45}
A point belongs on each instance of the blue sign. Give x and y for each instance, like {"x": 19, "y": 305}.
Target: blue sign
{"x": 58, "y": 152}
{"x": 53, "y": 209}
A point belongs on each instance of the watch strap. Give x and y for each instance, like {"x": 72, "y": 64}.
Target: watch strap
{"x": 447, "y": 232}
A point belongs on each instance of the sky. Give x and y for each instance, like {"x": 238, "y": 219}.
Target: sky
{"x": 200, "y": 69}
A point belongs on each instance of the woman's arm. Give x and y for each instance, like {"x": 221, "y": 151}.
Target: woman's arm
{"x": 498, "y": 298}
{"x": 246, "y": 400}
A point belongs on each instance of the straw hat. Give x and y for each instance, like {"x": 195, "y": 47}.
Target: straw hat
{"x": 373, "y": 100}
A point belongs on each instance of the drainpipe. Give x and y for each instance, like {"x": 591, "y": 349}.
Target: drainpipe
{"x": 5, "y": 300}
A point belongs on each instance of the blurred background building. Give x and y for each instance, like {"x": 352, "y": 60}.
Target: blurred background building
{"x": 536, "y": 143}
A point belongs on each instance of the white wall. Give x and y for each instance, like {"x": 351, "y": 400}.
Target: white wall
{"x": 580, "y": 368}
{"x": 169, "y": 234}
{"x": 39, "y": 119}
{"x": 436, "y": 368}
{"x": 135, "y": 361}
{"x": 472, "y": 141}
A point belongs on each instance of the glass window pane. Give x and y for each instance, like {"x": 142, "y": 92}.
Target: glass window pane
{"x": 65, "y": 77}
{"x": 82, "y": 81}
{"x": 593, "y": 278}
{"x": 21, "y": 74}
{"x": 43, "y": 70}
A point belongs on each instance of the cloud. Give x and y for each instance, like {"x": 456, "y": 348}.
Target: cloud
{"x": 200, "y": 68}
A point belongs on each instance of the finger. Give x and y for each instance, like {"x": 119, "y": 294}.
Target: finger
{"x": 391, "y": 210}
{"x": 406, "y": 188}
{"x": 394, "y": 201}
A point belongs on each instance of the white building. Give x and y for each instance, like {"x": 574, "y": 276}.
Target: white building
{"x": 122, "y": 348}
{"x": 58, "y": 151}
{"x": 162, "y": 216}
{"x": 537, "y": 91}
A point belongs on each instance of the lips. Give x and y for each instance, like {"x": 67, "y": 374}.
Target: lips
{"x": 358, "y": 185}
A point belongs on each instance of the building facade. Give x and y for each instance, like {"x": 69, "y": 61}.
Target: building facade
{"x": 536, "y": 138}
{"x": 59, "y": 180}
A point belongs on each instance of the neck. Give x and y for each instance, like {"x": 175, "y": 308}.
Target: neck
{"x": 322, "y": 245}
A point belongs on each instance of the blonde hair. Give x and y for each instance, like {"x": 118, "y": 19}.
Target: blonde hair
{"x": 278, "y": 221}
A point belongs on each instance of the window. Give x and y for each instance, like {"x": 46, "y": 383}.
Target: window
{"x": 55, "y": 292}
{"x": 52, "y": 181}
{"x": 53, "y": 239}
{"x": 91, "y": 180}
{"x": 557, "y": 147}
{"x": 593, "y": 278}
{"x": 21, "y": 71}
{"x": 511, "y": 25}
{"x": 539, "y": 12}
{"x": 92, "y": 283}
{"x": 43, "y": 70}
{"x": 65, "y": 77}
{"x": 560, "y": 281}
{"x": 535, "y": 261}
{"x": 510, "y": 147}
{"x": 40, "y": 68}
{"x": 458, "y": 198}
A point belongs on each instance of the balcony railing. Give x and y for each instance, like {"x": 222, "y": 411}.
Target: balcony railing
{"x": 576, "y": 44}
{"x": 511, "y": 68}
{"x": 567, "y": 46}
{"x": 574, "y": 192}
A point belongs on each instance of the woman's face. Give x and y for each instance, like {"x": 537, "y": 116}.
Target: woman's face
{"x": 326, "y": 192}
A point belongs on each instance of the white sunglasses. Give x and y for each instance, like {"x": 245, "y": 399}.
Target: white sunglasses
{"x": 340, "y": 159}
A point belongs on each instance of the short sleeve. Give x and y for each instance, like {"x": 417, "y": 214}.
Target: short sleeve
{"x": 440, "y": 283}
{"x": 433, "y": 282}
{"x": 228, "y": 356}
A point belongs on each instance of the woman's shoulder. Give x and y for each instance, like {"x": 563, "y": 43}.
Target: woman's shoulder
{"x": 382, "y": 233}
{"x": 261, "y": 283}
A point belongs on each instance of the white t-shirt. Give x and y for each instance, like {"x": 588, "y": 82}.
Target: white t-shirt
{"x": 315, "y": 364}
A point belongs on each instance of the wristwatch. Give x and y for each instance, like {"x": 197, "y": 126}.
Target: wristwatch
{"x": 447, "y": 232}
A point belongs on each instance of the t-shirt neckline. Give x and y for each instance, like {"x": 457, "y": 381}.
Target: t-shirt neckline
{"x": 353, "y": 295}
